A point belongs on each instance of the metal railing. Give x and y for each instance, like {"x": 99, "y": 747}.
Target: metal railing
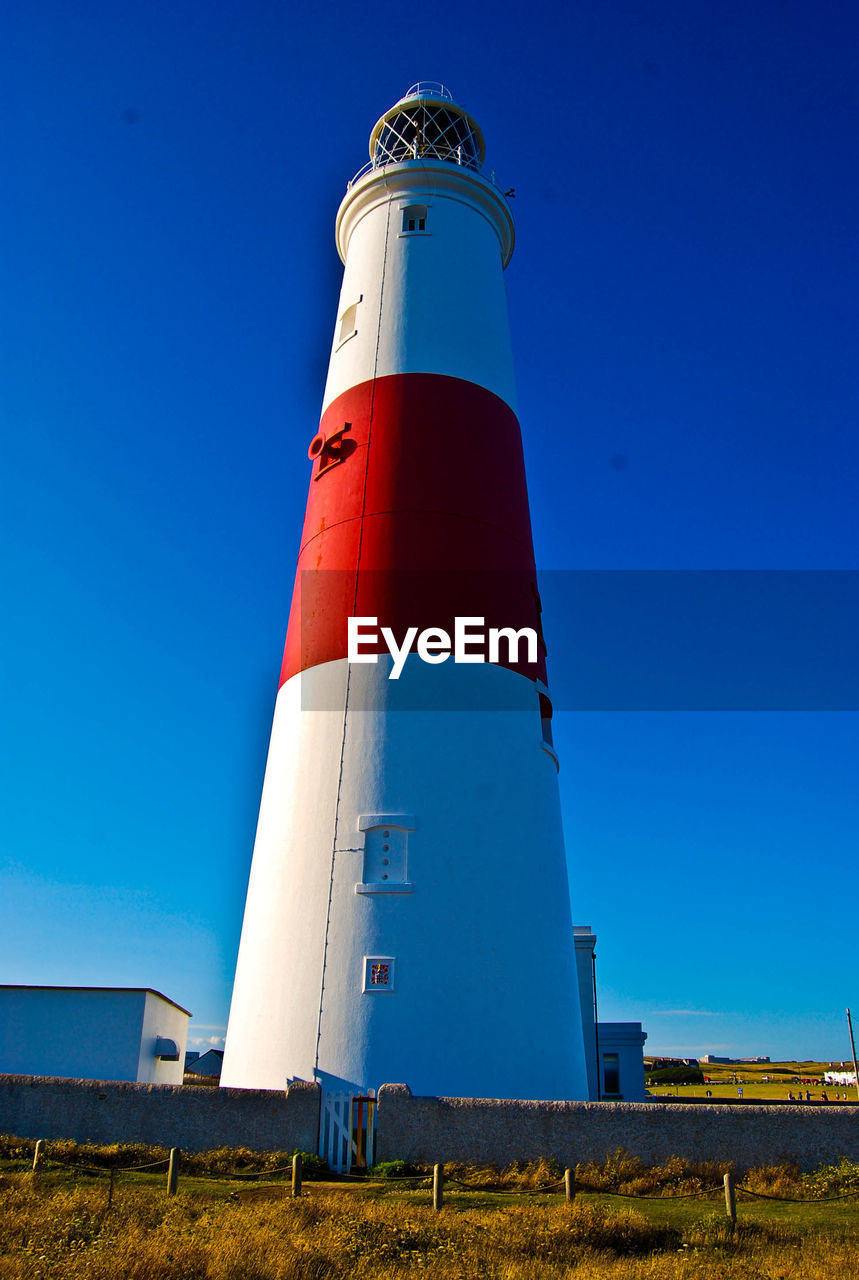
{"x": 371, "y": 165}
{"x": 433, "y": 88}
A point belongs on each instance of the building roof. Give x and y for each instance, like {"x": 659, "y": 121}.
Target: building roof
{"x": 20, "y": 986}
{"x": 208, "y": 1063}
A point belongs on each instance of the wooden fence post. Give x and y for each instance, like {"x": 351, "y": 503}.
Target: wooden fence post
{"x": 37, "y": 1155}
{"x": 110, "y": 1188}
{"x": 569, "y": 1188}
{"x": 296, "y": 1174}
{"x": 730, "y": 1198}
{"x": 173, "y": 1171}
{"x": 437, "y": 1184}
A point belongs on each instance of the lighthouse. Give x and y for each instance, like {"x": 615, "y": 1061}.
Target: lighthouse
{"x": 408, "y": 914}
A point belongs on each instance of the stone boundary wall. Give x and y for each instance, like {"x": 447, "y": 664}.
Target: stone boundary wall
{"x": 493, "y": 1131}
{"x": 426, "y": 1130}
{"x": 168, "y": 1115}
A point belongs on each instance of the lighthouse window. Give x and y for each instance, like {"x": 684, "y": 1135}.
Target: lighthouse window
{"x": 415, "y": 218}
{"x": 348, "y": 322}
{"x": 378, "y": 973}
{"x": 386, "y": 839}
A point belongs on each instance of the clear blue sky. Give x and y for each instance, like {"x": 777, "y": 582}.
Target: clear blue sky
{"x": 683, "y": 305}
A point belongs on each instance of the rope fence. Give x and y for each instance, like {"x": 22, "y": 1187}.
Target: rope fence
{"x": 393, "y": 1177}
{"x": 103, "y": 1168}
{"x": 634, "y": 1195}
{"x": 762, "y": 1195}
{"x": 419, "y": 1181}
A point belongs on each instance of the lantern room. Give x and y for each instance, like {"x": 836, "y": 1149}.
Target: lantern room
{"x": 426, "y": 124}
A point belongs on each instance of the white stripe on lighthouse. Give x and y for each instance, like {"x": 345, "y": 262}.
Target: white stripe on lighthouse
{"x": 430, "y": 301}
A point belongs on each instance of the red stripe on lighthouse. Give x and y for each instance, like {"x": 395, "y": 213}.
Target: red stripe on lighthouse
{"x": 417, "y": 513}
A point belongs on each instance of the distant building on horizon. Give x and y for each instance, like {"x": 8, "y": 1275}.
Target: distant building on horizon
{"x": 207, "y": 1064}
{"x": 710, "y": 1059}
{"x": 846, "y": 1078}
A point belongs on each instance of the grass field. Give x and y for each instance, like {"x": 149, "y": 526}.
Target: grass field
{"x": 58, "y": 1225}
{"x": 764, "y": 1082}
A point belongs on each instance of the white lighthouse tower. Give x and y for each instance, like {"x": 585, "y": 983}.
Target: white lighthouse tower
{"x": 408, "y": 915}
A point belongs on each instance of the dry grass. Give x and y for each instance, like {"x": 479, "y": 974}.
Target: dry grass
{"x": 517, "y": 1176}
{"x": 52, "y": 1232}
{"x": 627, "y": 1174}
{"x": 58, "y": 1226}
{"x": 120, "y": 1155}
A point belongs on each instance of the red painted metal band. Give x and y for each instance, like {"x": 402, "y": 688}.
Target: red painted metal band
{"x": 417, "y": 513}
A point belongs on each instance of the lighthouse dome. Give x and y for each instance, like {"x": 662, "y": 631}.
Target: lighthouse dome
{"x": 426, "y": 124}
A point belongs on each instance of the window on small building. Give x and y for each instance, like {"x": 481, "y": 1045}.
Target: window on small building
{"x": 415, "y": 218}
{"x": 611, "y": 1074}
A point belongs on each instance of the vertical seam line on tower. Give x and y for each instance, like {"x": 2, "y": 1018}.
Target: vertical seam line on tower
{"x": 348, "y": 666}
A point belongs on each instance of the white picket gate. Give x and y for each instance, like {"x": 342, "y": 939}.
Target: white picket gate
{"x": 347, "y": 1130}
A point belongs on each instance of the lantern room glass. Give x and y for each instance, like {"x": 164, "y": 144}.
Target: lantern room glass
{"x": 427, "y": 130}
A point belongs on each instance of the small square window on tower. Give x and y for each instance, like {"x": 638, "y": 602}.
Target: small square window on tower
{"x": 348, "y": 323}
{"x": 378, "y": 973}
{"x": 415, "y": 218}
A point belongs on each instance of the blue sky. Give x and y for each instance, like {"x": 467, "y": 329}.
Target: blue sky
{"x": 683, "y": 307}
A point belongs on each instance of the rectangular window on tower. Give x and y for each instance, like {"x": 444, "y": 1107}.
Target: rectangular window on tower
{"x": 347, "y": 325}
{"x": 386, "y": 839}
{"x": 414, "y": 218}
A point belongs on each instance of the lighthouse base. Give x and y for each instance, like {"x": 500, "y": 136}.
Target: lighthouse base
{"x": 408, "y": 913}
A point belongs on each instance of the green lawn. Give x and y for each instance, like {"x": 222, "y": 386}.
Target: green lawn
{"x": 764, "y": 1082}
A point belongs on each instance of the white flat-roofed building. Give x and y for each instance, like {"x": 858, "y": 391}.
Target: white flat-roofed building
{"x": 92, "y": 1033}
{"x": 614, "y": 1051}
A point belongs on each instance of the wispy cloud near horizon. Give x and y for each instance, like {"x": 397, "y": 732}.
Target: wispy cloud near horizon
{"x": 686, "y": 1013}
